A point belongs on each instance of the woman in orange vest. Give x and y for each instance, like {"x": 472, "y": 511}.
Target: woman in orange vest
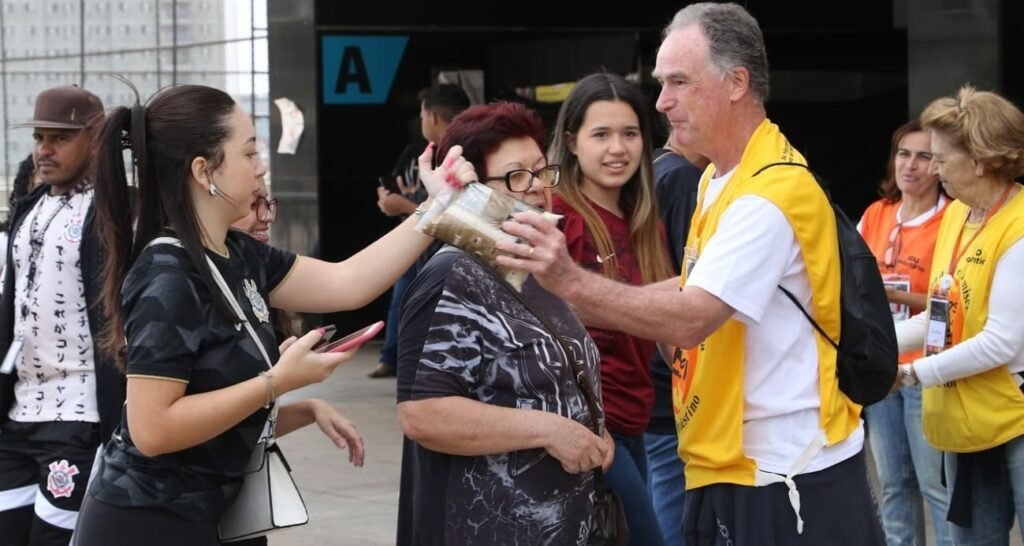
{"x": 900, "y": 228}
{"x": 971, "y": 331}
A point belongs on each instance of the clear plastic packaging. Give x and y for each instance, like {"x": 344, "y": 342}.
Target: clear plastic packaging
{"x": 470, "y": 218}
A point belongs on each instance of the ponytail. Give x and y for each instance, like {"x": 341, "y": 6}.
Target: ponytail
{"x": 164, "y": 135}
{"x": 114, "y": 218}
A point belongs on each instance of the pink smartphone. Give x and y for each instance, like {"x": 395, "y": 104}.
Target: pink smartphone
{"x": 353, "y": 340}
{"x": 329, "y": 332}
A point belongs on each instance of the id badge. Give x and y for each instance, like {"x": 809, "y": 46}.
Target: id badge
{"x": 899, "y": 283}
{"x": 937, "y": 338}
{"x": 11, "y": 358}
{"x": 690, "y": 256}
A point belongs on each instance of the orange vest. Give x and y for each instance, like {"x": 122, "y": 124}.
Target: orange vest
{"x": 916, "y": 246}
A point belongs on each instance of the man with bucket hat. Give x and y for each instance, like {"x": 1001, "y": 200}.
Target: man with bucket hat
{"x": 59, "y": 396}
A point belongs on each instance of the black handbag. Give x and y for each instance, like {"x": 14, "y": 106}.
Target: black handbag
{"x": 609, "y": 522}
{"x": 610, "y": 527}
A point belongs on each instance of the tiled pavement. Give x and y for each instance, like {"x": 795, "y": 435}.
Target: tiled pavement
{"x": 351, "y": 506}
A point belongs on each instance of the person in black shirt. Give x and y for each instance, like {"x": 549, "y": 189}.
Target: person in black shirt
{"x": 199, "y": 389}
{"x": 676, "y": 179}
{"x": 498, "y": 448}
{"x": 439, "y": 104}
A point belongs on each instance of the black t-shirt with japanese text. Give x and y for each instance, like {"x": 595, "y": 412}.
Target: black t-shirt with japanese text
{"x": 175, "y": 332}
{"x": 464, "y": 333}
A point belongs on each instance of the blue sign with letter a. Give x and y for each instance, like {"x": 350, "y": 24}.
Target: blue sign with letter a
{"x": 360, "y": 69}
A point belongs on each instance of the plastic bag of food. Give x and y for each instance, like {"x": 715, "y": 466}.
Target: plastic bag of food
{"x": 470, "y": 218}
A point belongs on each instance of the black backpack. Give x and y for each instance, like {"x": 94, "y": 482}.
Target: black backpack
{"x": 866, "y": 360}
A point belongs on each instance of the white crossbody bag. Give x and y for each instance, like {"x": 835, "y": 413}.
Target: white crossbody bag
{"x": 269, "y": 499}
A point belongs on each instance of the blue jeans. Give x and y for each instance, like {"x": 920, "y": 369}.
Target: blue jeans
{"x": 667, "y": 485}
{"x": 909, "y": 470}
{"x": 993, "y": 506}
{"x": 628, "y": 478}
{"x": 389, "y": 352}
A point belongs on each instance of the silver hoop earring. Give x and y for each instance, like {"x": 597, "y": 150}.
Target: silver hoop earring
{"x": 213, "y": 189}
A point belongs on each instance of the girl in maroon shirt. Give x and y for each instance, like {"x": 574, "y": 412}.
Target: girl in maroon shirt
{"x": 611, "y": 226}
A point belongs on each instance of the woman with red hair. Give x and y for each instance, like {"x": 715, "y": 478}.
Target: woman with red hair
{"x": 498, "y": 444}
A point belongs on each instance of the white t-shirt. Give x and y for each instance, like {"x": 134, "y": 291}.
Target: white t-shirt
{"x": 1000, "y": 341}
{"x": 56, "y": 379}
{"x": 753, "y": 251}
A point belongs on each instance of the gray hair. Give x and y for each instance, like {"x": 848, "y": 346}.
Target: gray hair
{"x": 734, "y": 39}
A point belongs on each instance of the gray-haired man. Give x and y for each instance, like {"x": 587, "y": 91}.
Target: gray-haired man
{"x": 767, "y": 437}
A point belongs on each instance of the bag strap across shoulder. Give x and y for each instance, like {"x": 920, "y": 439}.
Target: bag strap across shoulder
{"x": 239, "y": 314}
{"x": 789, "y": 294}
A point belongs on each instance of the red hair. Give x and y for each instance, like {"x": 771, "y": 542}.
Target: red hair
{"x": 481, "y": 130}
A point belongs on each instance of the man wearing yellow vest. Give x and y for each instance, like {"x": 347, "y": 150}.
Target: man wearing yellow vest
{"x": 773, "y": 449}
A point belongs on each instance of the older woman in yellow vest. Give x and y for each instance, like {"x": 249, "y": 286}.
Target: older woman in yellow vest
{"x": 972, "y": 334}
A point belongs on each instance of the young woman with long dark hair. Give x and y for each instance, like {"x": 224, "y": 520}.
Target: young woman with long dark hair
{"x": 199, "y": 389}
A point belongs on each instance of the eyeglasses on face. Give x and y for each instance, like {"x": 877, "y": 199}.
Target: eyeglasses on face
{"x": 521, "y": 180}
{"x": 266, "y": 209}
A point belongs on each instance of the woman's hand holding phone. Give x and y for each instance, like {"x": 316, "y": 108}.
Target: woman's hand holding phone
{"x": 300, "y": 365}
{"x": 353, "y": 340}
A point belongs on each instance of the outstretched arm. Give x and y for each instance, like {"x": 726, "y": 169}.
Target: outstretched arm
{"x": 316, "y": 286}
{"x": 679, "y": 318}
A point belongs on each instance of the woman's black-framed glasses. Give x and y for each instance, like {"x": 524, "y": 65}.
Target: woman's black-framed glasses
{"x": 266, "y": 209}
{"x": 520, "y": 180}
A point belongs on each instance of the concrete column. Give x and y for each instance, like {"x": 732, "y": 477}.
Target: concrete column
{"x": 293, "y": 70}
{"x": 951, "y": 43}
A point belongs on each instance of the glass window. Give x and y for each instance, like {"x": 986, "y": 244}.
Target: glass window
{"x": 49, "y": 31}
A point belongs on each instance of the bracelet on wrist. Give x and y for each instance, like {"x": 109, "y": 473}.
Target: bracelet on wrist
{"x": 908, "y": 375}
{"x": 271, "y": 395}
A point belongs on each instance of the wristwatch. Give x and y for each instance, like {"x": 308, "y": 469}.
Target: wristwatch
{"x": 907, "y": 375}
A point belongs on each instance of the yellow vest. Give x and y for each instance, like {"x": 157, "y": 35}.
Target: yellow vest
{"x": 984, "y": 410}
{"x": 707, "y": 383}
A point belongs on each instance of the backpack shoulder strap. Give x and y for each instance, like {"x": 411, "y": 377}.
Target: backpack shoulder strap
{"x": 789, "y": 294}
{"x": 813, "y": 322}
{"x": 783, "y": 164}
{"x": 821, "y": 183}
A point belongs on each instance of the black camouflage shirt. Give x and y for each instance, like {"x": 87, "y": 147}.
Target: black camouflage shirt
{"x": 175, "y": 332}
{"x": 464, "y": 333}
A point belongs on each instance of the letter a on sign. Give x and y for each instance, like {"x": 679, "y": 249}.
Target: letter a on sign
{"x": 360, "y": 69}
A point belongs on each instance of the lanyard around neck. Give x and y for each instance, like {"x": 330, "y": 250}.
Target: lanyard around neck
{"x": 958, "y": 251}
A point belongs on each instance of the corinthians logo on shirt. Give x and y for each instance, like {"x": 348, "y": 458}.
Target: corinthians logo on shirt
{"x": 259, "y": 307}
